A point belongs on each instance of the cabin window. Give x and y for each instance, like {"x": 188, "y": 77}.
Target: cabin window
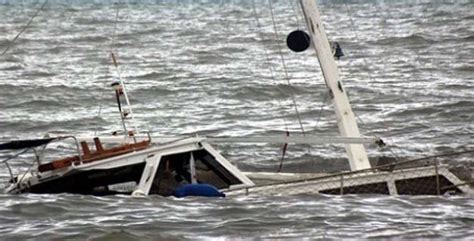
{"x": 425, "y": 186}
{"x": 174, "y": 171}
{"x": 371, "y": 188}
{"x": 95, "y": 182}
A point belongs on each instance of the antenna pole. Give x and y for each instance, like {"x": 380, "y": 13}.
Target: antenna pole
{"x": 124, "y": 112}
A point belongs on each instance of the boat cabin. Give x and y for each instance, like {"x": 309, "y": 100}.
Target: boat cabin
{"x": 133, "y": 168}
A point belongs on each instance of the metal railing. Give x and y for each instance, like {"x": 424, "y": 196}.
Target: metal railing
{"x": 12, "y": 176}
{"x": 420, "y": 176}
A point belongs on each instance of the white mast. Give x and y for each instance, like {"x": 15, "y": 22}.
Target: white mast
{"x": 345, "y": 117}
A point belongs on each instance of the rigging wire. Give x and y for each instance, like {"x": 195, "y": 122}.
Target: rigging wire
{"x": 107, "y": 59}
{"x": 295, "y": 12}
{"x": 275, "y": 29}
{"x": 387, "y": 128}
{"x": 299, "y": 11}
{"x": 349, "y": 11}
{"x": 356, "y": 35}
{"x": 417, "y": 55}
{"x": 123, "y": 87}
{"x": 417, "y": 59}
{"x": 350, "y": 14}
{"x": 111, "y": 50}
{"x": 114, "y": 33}
{"x": 24, "y": 28}
{"x": 321, "y": 108}
{"x": 93, "y": 69}
{"x": 268, "y": 62}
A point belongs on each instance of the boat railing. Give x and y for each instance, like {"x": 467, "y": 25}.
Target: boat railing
{"x": 82, "y": 155}
{"x": 100, "y": 153}
{"x": 37, "y": 156}
{"x": 421, "y": 176}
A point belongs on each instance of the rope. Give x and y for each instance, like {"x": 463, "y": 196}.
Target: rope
{"x": 122, "y": 83}
{"x": 284, "y": 66}
{"x": 417, "y": 57}
{"x": 107, "y": 69}
{"x": 267, "y": 62}
{"x": 295, "y": 12}
{"x": 299, "y": 9}
{"x": 115, "y": 27}
{"x": 349, "y": 11}
{"x": 24, "y": 28}
{"x": 321, "y": 108}
{"x": 379, "y": 12}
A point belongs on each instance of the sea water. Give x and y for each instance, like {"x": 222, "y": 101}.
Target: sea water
{"x": 215, "y": 69}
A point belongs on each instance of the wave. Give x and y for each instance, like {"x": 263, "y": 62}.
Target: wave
{"x": 120, "y": 217}
{"x": 29, "y": 97}
{"x": 405, "y": 40}
{"x": 38, "y": 104}
{"x": 154, "y": 31}
{"x": 457, "y": 104}
{"x": 91, "y": 39}
{"x": 38, "y": 73}
{"x": 265, "y": 92}
{"x": 458, "y": 110}
{"x": 466, "y": 68}
{"x": 4, "y": 44}
{"x": 12, "y": 67}
{"x": 153, "y": 75}
{"x": 469, "y": 38}
{"x": 151, "y": 92}
{"x": 55, "y": 127}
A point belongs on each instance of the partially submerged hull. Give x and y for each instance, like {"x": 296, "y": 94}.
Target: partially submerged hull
{"x": 429, "y": 180}
{"x": 161, "y": 170}
{"x": 137, "y": 168}
{"x": 152, "y": 170}
{"x": 91, "y": 182}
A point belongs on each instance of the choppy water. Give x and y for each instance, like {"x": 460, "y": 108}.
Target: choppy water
{"x": 200, "y": 68}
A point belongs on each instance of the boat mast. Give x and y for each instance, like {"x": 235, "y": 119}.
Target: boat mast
{"x": 345, "y": 117}
{"x": 125, "y": 113}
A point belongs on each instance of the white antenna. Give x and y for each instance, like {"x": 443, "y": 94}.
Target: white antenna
{"x": 120, "y": 90}
{"x": 345, "y": 117}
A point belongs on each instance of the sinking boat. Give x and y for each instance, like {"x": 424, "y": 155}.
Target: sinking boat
{"x": 142, "y": 168}
{"x": 136, "y": 168}
{"x": 141, "y": 165}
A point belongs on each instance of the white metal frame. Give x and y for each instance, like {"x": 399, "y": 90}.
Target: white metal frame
{"x": 271, "y": 139}
{"x": 148, "y": 175}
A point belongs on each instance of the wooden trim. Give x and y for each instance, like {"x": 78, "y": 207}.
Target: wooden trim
{"x": 88, "y": 156}
{"x": 85, "y": 148}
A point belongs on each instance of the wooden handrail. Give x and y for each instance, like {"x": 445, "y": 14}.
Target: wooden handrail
{"x": 89, "y": 156}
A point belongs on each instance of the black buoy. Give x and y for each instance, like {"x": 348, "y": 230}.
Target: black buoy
{"x": 298, "y": 41}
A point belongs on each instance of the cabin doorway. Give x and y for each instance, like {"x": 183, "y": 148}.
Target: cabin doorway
{"x": 188, "y": 168}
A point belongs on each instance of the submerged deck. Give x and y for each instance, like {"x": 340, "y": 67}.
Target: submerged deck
{"x": 403, "y": 178}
